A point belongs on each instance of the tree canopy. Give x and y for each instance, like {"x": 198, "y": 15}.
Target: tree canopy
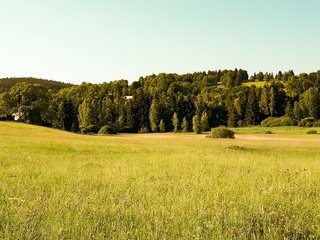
{"x": 163, "y": 102}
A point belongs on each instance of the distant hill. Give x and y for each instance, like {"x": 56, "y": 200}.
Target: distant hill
{"x": 7, "y": 83}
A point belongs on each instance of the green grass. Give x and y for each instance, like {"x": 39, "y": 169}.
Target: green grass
{"x": 257, "y": 84}
{"x": 288, "y": 131}
{"x": 58, "y": 185}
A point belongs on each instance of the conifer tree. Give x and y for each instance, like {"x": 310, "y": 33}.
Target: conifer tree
{"x": 264, "y": 101}
{"x": 252, "y": 110}
{"x": 232, "y": 115}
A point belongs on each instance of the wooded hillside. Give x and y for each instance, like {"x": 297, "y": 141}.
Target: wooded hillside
{"x": 167, "y": 102}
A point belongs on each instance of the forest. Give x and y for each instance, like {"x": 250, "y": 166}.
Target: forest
{"x": 166, "y": 102}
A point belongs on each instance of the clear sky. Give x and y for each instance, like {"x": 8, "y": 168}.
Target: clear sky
{"x": 104, "y": 40}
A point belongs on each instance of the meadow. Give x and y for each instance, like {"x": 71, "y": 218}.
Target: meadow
{"x": 60, "y": 185}
{"x": 257, "y": 83}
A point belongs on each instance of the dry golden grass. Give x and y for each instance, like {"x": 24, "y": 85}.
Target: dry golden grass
{"x": 59, "y": 185}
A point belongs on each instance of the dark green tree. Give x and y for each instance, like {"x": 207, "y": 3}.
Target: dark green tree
{"x": 31, "y": 101}
{"x": 264, "y": 101}
{"x": 232, "y": 115}
{"x": 310, "y": 102}
{"x": 252, "y": 110}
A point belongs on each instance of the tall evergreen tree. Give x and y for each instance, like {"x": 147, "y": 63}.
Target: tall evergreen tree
{"x": 68, "y": 115}
{"x": 252, "y": 111}
{"x": 232, "y": 115}
{"x": 264, "y": 101}
{"x": 277, "y": 101}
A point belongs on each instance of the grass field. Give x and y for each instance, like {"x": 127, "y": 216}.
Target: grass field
{"x": 279, "y": 131}
{"x": 59, "y": 185}
{"x": 257, "y": 83}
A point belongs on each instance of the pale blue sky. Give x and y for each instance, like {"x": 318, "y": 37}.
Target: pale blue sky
{"x": 102, "y": 40}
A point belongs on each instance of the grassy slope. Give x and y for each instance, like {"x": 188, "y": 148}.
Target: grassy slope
{"x": 56, "y": 185}
{"x": 257, "y": 84}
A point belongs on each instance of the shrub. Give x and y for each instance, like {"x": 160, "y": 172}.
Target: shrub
{"x": 316, "y": 123}
{"x": 307, "y": 122}
{"x": 83, "y": 130}
{"x": 287, "y": 121}
{"x": 144, "y": 130}
{"x": 126, "y": 129}
{"x": 108, "y": 129}
{"x": 241, "y": 123}
{"x": 93, "y": 129}
{"x": 222, "y": 132}
{"x": 268, "y": 132}
{"x": 162, "y": 126}
{"x": 312, "y": 132}
{"x": 278, "y": 121}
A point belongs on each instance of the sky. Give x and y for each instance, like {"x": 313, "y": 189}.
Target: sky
{"x": 102, "y": 40}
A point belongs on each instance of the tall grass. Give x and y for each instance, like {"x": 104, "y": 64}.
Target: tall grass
{"x": 58, "y": 185}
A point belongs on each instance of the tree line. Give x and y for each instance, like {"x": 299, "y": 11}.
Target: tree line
{"x": 168, "y": 102}
{"x": 7, "y": 83}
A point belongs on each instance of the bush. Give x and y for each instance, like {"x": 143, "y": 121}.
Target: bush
{"x": 126, "y": 129}
{"x": 268, "y": 132}
{"x": 241, "y": 123}
{"x": 83, "y": 130}
{"x": 312, "y": 132}
{"x": 278, "y": 121}
{"x": 93, "y": 129}
{"x": 307, "y": 122}
{"x": 221, "y": 132}
{"x": 108, "y": 129}
{"x": 162, "y": 126}
{"x": 316, "y": 123}
{"x": 144, "y": 130}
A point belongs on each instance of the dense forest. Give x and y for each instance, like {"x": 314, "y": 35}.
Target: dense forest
{"x": 166, "y": 102}
{"x": 7, "y": 83}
